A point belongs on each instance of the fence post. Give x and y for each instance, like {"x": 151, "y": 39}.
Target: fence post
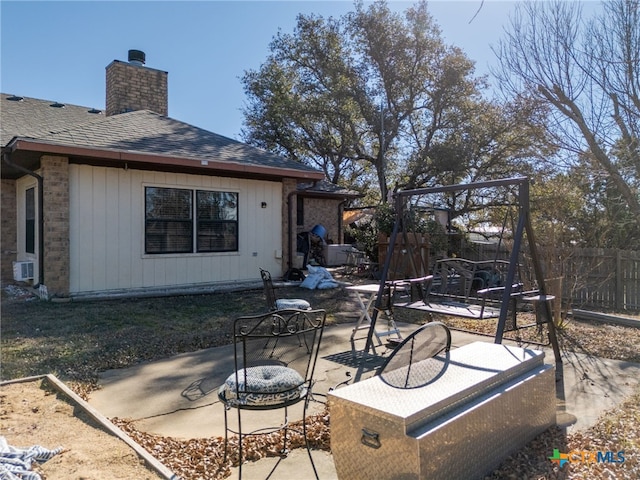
{"x": 619, "y": 300}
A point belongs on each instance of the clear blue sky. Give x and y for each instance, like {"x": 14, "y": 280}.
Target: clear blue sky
{"x": 59, "y": 50}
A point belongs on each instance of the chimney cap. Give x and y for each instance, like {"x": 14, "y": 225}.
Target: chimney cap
{"x": 137, "y": 57}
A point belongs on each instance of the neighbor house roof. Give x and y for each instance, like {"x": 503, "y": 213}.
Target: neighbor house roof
{"x": 326, "y": 189}
{"x": 141, "y": 138}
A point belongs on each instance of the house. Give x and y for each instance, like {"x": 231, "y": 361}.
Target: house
{"x": 129, "y": 201}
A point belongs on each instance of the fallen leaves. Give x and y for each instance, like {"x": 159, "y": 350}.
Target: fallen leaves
{"x": 204, "y": 458}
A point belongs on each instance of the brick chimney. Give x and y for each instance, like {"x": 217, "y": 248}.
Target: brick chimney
{"x": 132, "y": 86}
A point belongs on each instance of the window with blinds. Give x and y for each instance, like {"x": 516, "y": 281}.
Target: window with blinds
{"x": 168, "y": 220}
{"x": 170, "y": 226}
{"x": 217, "y": 226}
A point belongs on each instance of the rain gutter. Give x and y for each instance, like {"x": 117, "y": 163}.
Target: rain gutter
{"x": 124, "y": 156}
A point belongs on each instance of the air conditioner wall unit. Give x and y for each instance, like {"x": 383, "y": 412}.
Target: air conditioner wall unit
{"x": 22, "y": 271}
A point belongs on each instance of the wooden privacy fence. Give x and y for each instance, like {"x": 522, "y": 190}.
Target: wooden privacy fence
{"x": 602, "y": 279}
{"x": 408, "y": 260}
{"x": 593, "y": 278}
{"x": 606, "y": 279}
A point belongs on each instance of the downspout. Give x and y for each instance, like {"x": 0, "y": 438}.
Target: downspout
{"x": 340, "y": 220}
{"x": 5, "y": 157}
{"x": 290, "y": 229}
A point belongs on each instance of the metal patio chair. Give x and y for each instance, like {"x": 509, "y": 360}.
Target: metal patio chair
{"x": 275, "y": 356}
{"x": 274, "y": 303}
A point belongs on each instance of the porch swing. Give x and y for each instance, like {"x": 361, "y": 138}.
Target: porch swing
{"x": 463, "y": 287}
{"x": 428, "y": 293}
{"x": 472, "y": 276}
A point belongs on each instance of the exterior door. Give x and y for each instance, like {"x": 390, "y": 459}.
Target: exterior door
{"x": 27, "y": 222}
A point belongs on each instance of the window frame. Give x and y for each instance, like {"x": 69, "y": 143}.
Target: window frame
{"x": 225, "y": 229}
{"x": 220, "y": 222}
{"x": 175, "y": 223}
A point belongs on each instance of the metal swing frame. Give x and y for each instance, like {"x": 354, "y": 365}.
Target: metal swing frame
{"x": 523, "y": 227}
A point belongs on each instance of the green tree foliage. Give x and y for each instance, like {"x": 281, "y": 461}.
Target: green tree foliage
{"x": 414, "y": 220}
{"x": 377, "y": 98}
{"x": 578, "y": 208}
{"x": 301, "y": 103}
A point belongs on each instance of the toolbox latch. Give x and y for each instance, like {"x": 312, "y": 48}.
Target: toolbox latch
{"x": 370, "y": 439}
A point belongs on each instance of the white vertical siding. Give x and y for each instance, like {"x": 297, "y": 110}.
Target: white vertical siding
{"x": 81, "y": 235}
{"x": 107, "y": 232}
{"x": 112, "y": 230}
{"x": 124, "y": 244}
{"x": 100, "y": 202}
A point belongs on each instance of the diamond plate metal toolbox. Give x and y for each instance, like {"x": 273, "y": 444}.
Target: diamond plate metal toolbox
{"x": 485, "y": 402}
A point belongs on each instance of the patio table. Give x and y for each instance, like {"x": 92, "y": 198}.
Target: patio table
{"x": 366, "y": 295}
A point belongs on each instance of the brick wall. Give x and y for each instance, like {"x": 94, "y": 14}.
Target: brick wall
{"x": 316, "y": 211}
{"x": 134, "y": 87}
{"x": 324, "y": 212}
{"x": 55, "y": 171}
{"x": 8, "y": 229}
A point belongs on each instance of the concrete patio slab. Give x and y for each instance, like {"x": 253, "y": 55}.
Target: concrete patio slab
{"x": 177, "y": 397}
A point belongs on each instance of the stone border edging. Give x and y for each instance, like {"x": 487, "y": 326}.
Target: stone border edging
{"x": 603, "y": 317}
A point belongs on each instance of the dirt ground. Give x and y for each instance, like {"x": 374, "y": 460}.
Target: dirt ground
{"x": 32, "y": 413}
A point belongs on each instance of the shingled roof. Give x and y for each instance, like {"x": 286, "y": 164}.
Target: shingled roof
{"x": 141, "y": 135}
{"x": 31, "y": 117}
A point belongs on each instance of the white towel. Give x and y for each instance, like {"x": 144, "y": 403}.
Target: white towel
{"x": 17, "y": 461}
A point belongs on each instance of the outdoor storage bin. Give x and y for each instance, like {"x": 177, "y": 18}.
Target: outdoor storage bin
{"x": 336, "y": 254}
{"x": 485, "y": 402}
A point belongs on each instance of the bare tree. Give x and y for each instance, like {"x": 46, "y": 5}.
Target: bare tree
{"x": 588, "y": 71}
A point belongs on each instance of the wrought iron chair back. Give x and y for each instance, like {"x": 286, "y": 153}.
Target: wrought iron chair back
{"x": 275, "y": 356}
{"x": 268, "y": 289}
{"x": 275, "y": 303}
